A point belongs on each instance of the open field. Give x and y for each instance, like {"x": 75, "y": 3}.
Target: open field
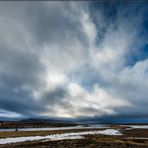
{"x": 25, "y": 124}
{"x": 122, "y": 137}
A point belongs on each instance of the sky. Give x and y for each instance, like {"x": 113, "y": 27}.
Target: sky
{"x": 73, "y": 59}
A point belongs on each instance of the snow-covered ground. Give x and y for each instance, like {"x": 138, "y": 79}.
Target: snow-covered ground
{"x": 55, "y": 137}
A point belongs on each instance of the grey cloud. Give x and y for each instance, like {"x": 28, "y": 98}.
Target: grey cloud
{"x": 67, "y": 59}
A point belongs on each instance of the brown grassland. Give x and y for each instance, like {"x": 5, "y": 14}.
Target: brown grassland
{"x": 90, "y": 141}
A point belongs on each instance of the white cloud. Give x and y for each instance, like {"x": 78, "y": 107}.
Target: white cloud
{"x": 98, "y": 102}
{"x": 47, "y": 57}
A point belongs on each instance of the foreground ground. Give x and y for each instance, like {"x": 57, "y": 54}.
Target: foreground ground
{"x": 134, "y": 138}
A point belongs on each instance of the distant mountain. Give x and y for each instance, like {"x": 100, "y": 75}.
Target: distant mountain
{"x": 95, "y": 120}
{"x": 47, "y": 120}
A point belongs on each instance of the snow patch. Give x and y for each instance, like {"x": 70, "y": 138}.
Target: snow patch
{"x": 55, "y": 137}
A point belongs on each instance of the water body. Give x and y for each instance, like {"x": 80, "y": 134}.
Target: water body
{"x": 139, "y": 126}
{"x": 97, "y": 126}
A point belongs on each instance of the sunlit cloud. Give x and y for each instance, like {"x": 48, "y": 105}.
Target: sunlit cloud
{"x": 73, "y": 59}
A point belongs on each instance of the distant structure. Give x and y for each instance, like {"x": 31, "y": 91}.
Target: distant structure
{"x": 1, "y": 123}
{"x": 16, "y": 129}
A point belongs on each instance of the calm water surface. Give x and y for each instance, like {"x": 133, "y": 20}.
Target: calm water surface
{"x": 58, "y": 128}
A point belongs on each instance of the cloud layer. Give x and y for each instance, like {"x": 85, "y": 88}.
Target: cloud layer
{"x": 73, "y": 59}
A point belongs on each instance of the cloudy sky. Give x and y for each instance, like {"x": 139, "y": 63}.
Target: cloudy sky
{"x": 73, "y": 59}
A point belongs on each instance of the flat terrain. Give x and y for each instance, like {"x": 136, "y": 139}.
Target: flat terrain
{"x": 133, "y": 138}
{"x": 35, "y": 124}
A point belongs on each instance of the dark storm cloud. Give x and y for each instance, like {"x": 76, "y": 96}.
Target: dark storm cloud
{"x": 72, "y": 59}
